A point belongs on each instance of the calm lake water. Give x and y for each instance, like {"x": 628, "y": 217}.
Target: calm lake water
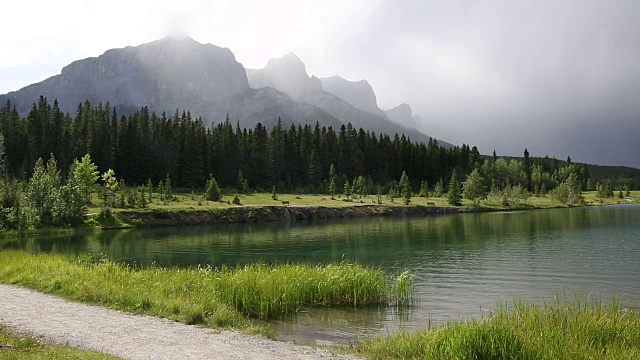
{"x": 464, "y": 264}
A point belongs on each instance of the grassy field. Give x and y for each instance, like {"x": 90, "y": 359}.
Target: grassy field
{"x": 187, "y": 201}
{"x": 16, "y": 346}
{"x": 563, "y": 330}
{"x": 223, "y": 298}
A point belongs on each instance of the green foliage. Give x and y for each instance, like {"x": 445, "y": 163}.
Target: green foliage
{"x": 274, "y": 194}
{"x": 424, "y": 189}
{"x": 86, "y": 174}
{"x": 242, "y": 185}
{"x": 473, "y": 187}
{"x": 332, "y": 188}
{"x": 454, "y": 195}
{"x": 562, "y": 330}
{"x": 569, "y": 192}
{"x": 213, "y": 297}
{"x": 405, "y": 188}
{"x": 168, "y": 192}
{"x": 43, "y": 189}
{"x": 236, "y": 200}
{"x": 213, "y": 192}
{"x": 110, "y": 184}
{"x": 150, "y": 190}
{"x": 438, "y": 190}
{"x": 347, "y": 191}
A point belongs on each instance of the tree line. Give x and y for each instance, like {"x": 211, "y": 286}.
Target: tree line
{"x": 143, "y": 149}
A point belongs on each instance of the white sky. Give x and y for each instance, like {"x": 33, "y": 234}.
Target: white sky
{"x": 551, "y": 75}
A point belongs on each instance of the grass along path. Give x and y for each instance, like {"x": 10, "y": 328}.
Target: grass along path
{"x": 220, "y": 298}
{"x": 562, "y": 330}
{"x": 134, "y": 336}
{"x": 17, "y": 346}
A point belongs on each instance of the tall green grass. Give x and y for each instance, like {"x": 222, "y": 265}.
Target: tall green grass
{"x": 214, "y": 297}
{"x": 562, "y": 330}
{"x": 18, "y": 346}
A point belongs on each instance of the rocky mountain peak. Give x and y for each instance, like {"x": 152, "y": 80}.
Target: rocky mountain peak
{"x": 358, "y": 93}
{"x": 287, "y": 74}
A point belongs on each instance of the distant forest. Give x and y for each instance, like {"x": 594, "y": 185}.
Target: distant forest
{"x": 146, "y": 146}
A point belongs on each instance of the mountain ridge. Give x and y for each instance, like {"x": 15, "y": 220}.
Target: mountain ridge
{"x": 181, "y": 73}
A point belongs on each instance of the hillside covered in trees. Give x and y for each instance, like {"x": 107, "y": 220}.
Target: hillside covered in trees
{"x": 145, "y": 148}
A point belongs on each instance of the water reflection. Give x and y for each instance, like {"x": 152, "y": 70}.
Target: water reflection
{"x": 464, "y": 264}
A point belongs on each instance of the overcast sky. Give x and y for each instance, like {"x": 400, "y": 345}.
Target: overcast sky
{"x": 558, "y": 77}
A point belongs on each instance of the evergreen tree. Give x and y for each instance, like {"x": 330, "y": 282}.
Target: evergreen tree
{"x": 347, "y": 190}
{"x": 3, "y": 159}
{"x": 405, "y": 188}
{"x": 242, "y": 185}
{"x": 167, "y": 189}
{"x": 620, "y": 196}
{"x": 332, "y": 188}
{"x": 438, "y": 190}
{"x": 274, "y": 195}
{"x": 454, "y": 195}
{"x": 150, "y": 190}
{"x": 213, "y": 192}
{"x": 161, "y": 190}
{"x": 424, "y": 189}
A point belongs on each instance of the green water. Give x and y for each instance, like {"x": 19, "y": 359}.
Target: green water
{"x": 464, "y": 264}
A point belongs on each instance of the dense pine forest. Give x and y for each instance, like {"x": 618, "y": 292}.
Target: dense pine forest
{"x": 145, "y": 148}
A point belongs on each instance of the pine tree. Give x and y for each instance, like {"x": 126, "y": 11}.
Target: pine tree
{"x": 405, "y": 188}
{"x": 454, "y": 195}
{"x": 332, "y": 188}
{"x": 242, "y": 183}
{"x": 150, "y": 190}
{"x": 332, "y": 181}
{"x": 274, "y": 195}
{"x": 161, "y": 190}
{"x": 167, "y": 189}
{"x": 347, "y": 190}
{"x": 424, "y": 189}
{"x": 213, "y": 192}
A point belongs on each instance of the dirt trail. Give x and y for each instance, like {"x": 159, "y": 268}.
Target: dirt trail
{"x": 134, "y": 336}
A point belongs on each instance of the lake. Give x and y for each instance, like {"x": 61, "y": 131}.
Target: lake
{"x": 464, "y": 264}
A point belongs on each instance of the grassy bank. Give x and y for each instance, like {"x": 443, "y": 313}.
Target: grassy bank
{"x": 563, "y": 330}
{"x": 224, "y": 298}
{"x": 24, "y": 347}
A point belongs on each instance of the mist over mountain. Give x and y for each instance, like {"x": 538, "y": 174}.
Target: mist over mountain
{"x": 402, "y": 114}
{"x": 179, "y": 73}
{"x": 358, "y": 93}
{"x": 352, "y": 102}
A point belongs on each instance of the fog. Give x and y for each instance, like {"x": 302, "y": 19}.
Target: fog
{"x": 558, "y": 77}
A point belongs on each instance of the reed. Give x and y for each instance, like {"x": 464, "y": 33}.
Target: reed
{"x": 576, "y": 329}
{"x": 225, "y": 297}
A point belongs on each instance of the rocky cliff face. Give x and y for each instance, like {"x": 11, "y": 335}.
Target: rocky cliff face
{"x": 165, "y": 75}
{"x": 180, "y": 73}
{"x": 401, "y": 114}
{"x": 287, "y": 74}
{"x": 357, "y": 93}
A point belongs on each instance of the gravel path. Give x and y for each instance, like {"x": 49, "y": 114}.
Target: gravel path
{"x": 134, "y": 336}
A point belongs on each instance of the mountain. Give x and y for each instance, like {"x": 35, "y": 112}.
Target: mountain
{"x": 358, "y": 93}
{"x": 402, "y": 114}
{"x": 289, "y": 75}
{"x": 165, "y": 75}
{"x": 181, "y": 73}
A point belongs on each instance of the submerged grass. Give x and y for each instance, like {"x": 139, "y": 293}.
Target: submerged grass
{"x": 213, "y": 297}
{"x": 24, "y": 347}
{"x": 562, "y": 330}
